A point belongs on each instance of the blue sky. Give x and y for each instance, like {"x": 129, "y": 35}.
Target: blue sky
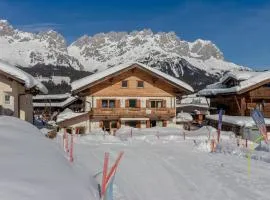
{"x": 239, "y": 28}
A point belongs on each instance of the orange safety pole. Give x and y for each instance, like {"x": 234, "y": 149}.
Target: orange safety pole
{"x": 105, "y": 169}
{"x": 71, "y": 149}
{"x": 114, "y": 166}
{"x": 66, "y": 142}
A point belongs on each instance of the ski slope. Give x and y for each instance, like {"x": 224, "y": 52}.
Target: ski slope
{"x": 173, "y": 169}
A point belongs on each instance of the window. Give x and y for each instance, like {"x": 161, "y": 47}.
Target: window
{"x": 124, "y": 84}
{"x": 156, "y": 104}
{"x": 267, "y": 85}
{"x": 108, "y": 103}
{"x": 132, "y": 103}
{"x": 140, "y": 84}
{"x": 113, "y": 124}
{"x": 131, "y": 124}
{"x": 7, "y": 99}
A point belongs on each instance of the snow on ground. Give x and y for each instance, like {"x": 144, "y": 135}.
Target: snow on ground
{"x": 33, "y": 168}
{"x": 159, "y": 164}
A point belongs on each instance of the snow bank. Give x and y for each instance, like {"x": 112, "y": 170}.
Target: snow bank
{"x": 242, "y": 121}
{"x": 30, "y": 81}
{"x": 32, "y": 167}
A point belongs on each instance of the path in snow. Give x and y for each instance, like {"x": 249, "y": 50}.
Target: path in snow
{"x": 175, "y": 170}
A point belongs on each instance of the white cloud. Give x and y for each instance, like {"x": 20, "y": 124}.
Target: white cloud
{"x": 38, "y": 27}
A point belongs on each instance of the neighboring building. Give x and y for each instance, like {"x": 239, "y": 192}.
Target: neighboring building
{"x": 127, "y": 95}
{"x": 198, "y": 107}
{"x": 238, "y": 93}
{"x": 241, "y": 125}
{"x": 50, "y": 105}
{"x": 16, "y": 90}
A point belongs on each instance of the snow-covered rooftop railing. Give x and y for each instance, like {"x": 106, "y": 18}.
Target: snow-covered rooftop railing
{"x": 76, "y": 85}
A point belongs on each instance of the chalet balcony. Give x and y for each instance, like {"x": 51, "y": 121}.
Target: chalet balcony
{"x": 133, "y": 112}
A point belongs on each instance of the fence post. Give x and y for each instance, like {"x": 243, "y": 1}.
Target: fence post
{"x": 71, "y": 149}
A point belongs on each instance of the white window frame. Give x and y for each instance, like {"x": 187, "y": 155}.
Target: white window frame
{"x": 7, "y": 102}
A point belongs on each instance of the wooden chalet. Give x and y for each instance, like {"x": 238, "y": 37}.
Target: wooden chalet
{"x": 129, "y": 95}
{"x": 239, "y": 93}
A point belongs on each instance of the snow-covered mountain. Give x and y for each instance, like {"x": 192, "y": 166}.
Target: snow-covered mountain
{"x": 28, "y": 49}
{"x": 199, "y": 60}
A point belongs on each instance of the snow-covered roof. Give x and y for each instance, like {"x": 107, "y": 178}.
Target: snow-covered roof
{"x": 52, "y": 96}
{"x": 28, "y": 80}
{"x": 56, "y": 104}
{"x": 193, "y": 99}
{"x": 251, "y": 80}
{"x": 68, "y": 114}
{"x": 76, "y": 85}
{"x": 239, "y": 75}
{"x": 183, "y": 117}
{"x": 242, "y": 121}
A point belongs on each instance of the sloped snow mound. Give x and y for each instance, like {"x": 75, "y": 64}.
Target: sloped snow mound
{"x": 32, "y": 167}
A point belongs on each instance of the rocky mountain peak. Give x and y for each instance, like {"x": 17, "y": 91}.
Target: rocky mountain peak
{"x": 6, "y": 29}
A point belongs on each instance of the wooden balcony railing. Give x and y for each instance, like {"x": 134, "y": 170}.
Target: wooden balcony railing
{"x": 133, "y": 112}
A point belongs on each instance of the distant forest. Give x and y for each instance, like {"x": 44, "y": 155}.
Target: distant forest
{"x": 50, "y": 70}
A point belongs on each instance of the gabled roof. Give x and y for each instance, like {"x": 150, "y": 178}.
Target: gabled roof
{"x": 62, "y": 104}
{"x": 239, "y": 75}
{"x": 92, "y": 79}
{"x": 22, "y": 77}
{"x": 251, "y": 81}
{"x": 52, "y": 96}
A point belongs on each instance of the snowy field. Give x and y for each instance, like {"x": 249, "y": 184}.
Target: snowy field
{"x": 33, "y": 167}
{"x": 159, "y": 164}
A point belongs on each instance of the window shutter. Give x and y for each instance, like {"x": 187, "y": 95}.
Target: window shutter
{"x": 138, "y": 103}
{"x": 100, "y": 124}
{"x": 127, "y": 103}
{"x": 117, "y": 103}
{"x": 163, "y": 103}
{"x": 147, "y": 104}
{"x": 148, "y": 124}
{"x": 99, "y": 103}
{"x": 118, "y": 124}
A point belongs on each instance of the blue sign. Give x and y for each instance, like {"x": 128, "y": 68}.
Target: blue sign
{"x": 258, "y": 118}
{"x": 220, "y": 119}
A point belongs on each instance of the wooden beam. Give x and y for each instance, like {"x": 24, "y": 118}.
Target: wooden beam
{"x": 238, "y": 105}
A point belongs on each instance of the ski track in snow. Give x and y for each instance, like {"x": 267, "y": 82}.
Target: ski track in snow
{"x": 175, "y": 171}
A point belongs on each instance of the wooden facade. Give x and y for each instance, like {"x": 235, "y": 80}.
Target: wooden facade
{"x": 131, "y": 97}
{"x": 242, "y": 103}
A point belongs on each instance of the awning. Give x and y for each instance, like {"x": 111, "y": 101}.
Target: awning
{"x": 134, "y": 119}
